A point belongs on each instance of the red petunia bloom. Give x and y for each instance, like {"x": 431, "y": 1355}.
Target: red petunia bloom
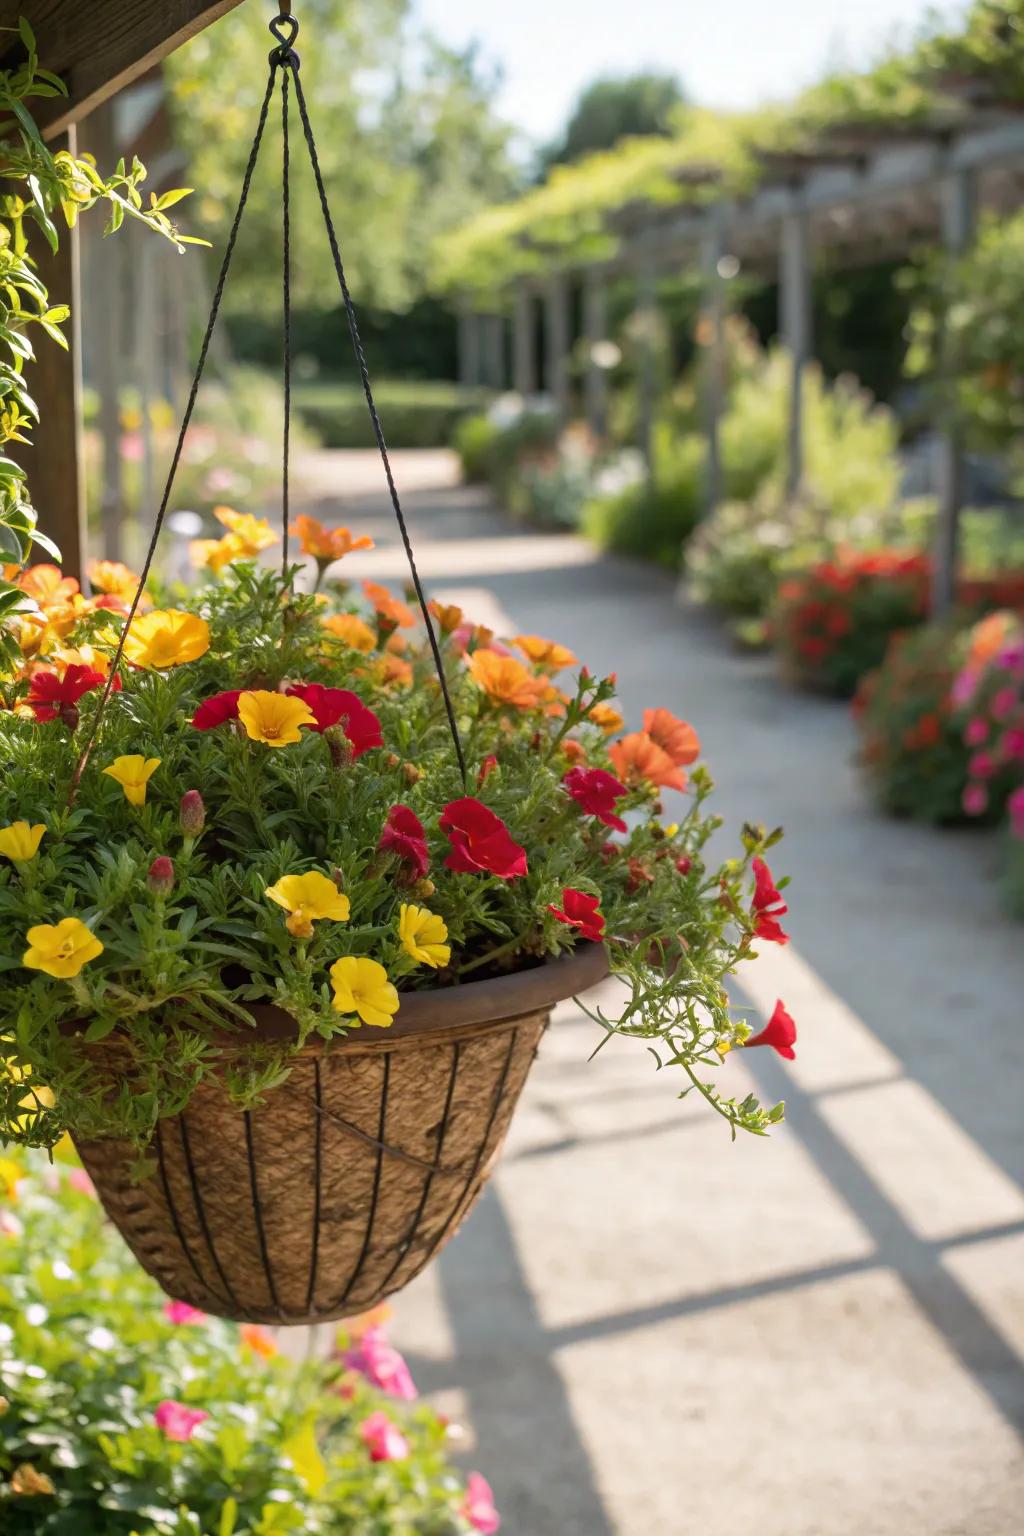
{"x": 216, "y": 709}
{"x": 596, "y": 793}
{"x": 480, "y": 841}
{"x": 768, "y": 906}
{"x": 487, "y": 767}
{"x": 404, "y": 835}
{"x": 580, "y": 911}
{"x": 339, "y": 706}
{"x": 779, "y": 1033}
{"x": 49, "y": 694}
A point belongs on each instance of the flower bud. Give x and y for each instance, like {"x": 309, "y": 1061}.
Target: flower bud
{"x": 339, "y": 746}
{"x": 424, "y": 888}
{"x": 685, "y": 864}
{"x": 192, "y": 813}
{"x": 69, "y": 716}
{"x": 411, "y": 773}
{"x": 487, "y": 767}
{"x": 392, "y": 760}
{"x": 160, "y": 878}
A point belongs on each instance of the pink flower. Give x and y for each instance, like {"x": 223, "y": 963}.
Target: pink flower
{"x": 80, "y": 1181}
{"x": 981, "y": 766}
{"x": 478, "y": 1505}
{"x": 381, "y": 1364}
{"x": 1012, "y": 743}
{"x": 177, "y": 1420}
{"x": 10, "y": 1226}
{"x": 383, "y": 1439}
{"x": 976, "y": 732}
{"x": 1004, "y": 703}
{"x": 1011, "y": 657}
{"x": 1015, "y": 806}
{"x": 975, "y": 799}
{"x": 964, "y": 685}
{"x": 180, "y": 1313}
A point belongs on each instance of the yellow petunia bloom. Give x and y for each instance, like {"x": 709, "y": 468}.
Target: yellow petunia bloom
{"x": 216, "y": 553}
{"x": 20, "y": 842}
{"x": 273, "y": 718}
{"x": 36, "y": 1097}
{"x": 167, "y": 637}
{"x": 61, "y": 949}
{"x": 133, "y": 773}
{"x": 607, "y": 717}
{"x": 545, "y": 653}
{"x": 253, "y": 533}
{"x": 423, "y": 934}
{"x": 351, "y": 630}
{"x": 307, "y": 899}
{"x": 113, "y": 578}
{"x": 11, "y": 1175}
{"x": 361, "y": 986}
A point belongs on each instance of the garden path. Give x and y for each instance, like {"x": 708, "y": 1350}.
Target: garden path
{"x": 652, "y": 1332}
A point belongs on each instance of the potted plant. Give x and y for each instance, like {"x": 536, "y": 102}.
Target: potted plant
{"x": 277, "y": 966}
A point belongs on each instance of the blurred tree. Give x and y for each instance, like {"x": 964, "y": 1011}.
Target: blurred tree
{"x": 405, "y": 131}
{"x": 613, "y": 108}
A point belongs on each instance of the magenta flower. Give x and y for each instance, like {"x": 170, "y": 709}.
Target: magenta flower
{"x": 478, "y": 1505}
{"x": 981, "y": 766}
{"x": 180, "y": 1313}
{"x": 1012, "y": 742}
{"x": 383, "y": 1439}
{"x": 81, "y": 1182}
{"x": 177, "y": 1420}
{"x": 975, "y": 799}
{"x": 1015, "y": 806}
{"x": 964, "y": 685}
{"x": 381, "y": 1364}
{"x": 976, "y": 732}
{"x": 1004, "y": 704}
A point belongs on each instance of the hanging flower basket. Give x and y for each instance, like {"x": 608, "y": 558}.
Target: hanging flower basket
{"x": 290, "y": 882}
{"x": 351, "y": 1176}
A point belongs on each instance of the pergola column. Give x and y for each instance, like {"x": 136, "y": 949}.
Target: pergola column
{"x": 556, "y": 342}
{"x": 494, "y": 351}
{"x": 959, "y": 215}
{"x": 595, "y": 330}
{"x": 713, "y": 370}
{"x": 524, "y": 347}
{"x": 797, "y": 330}
{"x": 646, "y": 308}
{"x": 469, "y": 347}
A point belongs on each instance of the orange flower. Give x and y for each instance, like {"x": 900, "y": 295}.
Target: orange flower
{"x": 392, "y": 609}
{"x": 545, "y": 653}
{"x": 607, "y": 717}
{"x": 388, "y": 670}
{"x": 673, "y": 736}
{"x": 573, "y": 751}
{"x": 447, "y": 615}
{"x": 113, "y": 578}
{"x": 326, "y": 545}
{"x": 48, "y": 586}
{"x": 506, "y": 680}
{"x": 258, "y": 1340}
{"x": 638, "y": 759}
{"x": 351, "y": 630}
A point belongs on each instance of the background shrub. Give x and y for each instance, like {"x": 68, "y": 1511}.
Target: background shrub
{"x": 414, "y": 414}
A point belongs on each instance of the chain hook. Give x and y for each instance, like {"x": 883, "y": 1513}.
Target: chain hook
{"x": 285, "y": 28}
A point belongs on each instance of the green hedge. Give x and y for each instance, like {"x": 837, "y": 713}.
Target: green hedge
{"x": 413, "y": 414}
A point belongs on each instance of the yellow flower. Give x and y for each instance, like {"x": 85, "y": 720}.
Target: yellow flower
{"x": 133, "y": 773}
{"x": 423, "y": 934}
{"x": 303, "y": 1452}
{"x": 20, "y": 842}
{"x": 61, "y": 950}
{"x": 27, "y": 1483}
{"x": 11, "y": 1175}
{"x": 361, "y": 986}
{"x": 34, "y": 1099}
{"x": 112, "y": 578}
{"x": 351, "y": 630}
{"x": 252, "y": 533}
{"x": 607, "y": 717}
{"x": 216, "y": 553}
{"x": 273, "y": 718}
{"x": 545, "y": 653}
{"x": 167, "y": 637}
{"x": 307, "y": 899}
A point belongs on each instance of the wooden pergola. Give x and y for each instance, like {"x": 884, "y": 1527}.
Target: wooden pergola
{"x": 859, "y": 193}
{"x": 97, "y": 47}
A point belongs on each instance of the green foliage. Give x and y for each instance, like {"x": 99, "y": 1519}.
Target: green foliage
{"x": 177, "y": 963}
{"x": 615, "y": 108}
{"x": 413, "y": 414}
{"x": 652, "y": 520}
{"x": 474, "y": 440}
{"x": 403, "y": 125}
{"x": 87, "y": 1356}
{"x": 56, "y": 187}
{"x": 911, "y": 745}
{"x": 1012, "y": 883}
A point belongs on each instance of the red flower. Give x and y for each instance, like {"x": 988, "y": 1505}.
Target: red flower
{"x": 487, "y": 767}
{"x": 480, "y": 841}
{"x": 403, "y": 835}
{"x": 596, "y": 793}
{"x": 49, "y": 694}
{"x": 779, "y": 1033}
{"x": 578, "y": 910}
{"x": 216, "y": 709}
{"x": 339, "y": 706}
{"x": 768, "y": 906}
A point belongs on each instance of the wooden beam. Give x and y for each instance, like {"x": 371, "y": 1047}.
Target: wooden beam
{"x": 595, "y": 329}
{"x": 54, "y": 464}
{"x": 797, "y": 331}
{"x": 524, "y": 342}
{"x": 99, "y": 46}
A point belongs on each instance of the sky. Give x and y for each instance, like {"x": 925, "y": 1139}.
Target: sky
{"x": 728, "y": 53}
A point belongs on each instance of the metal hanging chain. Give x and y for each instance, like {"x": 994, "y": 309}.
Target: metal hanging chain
{"x": 378, "y": 431}
{"x": 286, "y": 269}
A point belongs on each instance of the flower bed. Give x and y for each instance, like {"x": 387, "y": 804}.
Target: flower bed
{"x": 124, "y": 1412}
{"x": 989, "y": 692}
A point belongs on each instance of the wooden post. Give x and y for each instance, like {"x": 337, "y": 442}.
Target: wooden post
{"x": 713, "y": 340}
{"x": 959, "y": 213}
{"x": 797, "y": 330}
{"x": 524, "y": 343}
{"x": 54, "y": 462}
{"x": 646, "y": 321}
{"x": 469, "y": 347}
{"x": 556, "y": 343}
{"x": 494, "y": 350}
{"x": 105, "y": 277}
{"x": 595, "y": 329}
